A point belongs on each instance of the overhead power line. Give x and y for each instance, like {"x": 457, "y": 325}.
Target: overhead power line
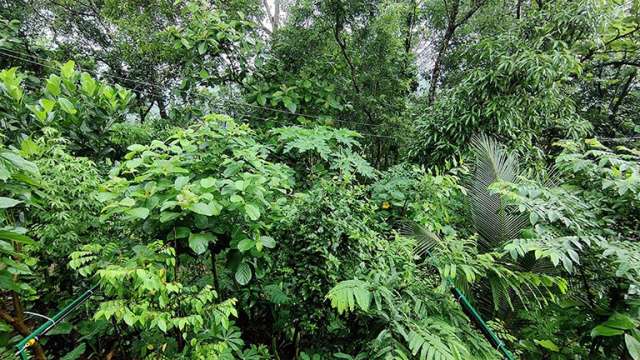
{"x": 155, "y": 86}
{"x": 323, "y": 118}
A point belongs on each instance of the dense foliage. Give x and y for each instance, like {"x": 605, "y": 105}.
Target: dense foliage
{"x": 339, "y": 179}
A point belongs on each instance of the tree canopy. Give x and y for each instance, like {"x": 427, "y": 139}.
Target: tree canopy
{"x": 305, "y": 179}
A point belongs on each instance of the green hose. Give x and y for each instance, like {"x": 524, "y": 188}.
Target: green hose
{"x": 484, "y": 327}
{"x": 42, "y": 330}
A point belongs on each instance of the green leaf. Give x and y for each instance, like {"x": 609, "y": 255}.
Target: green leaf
{"x": 633, "y": 346}
{"x": 346, "y": 294}
{"x": 64, "y": 328}
{"x": 167, "y": 216}
{"x": 182, "y": 232}
{"x": 67, "y": 70}
{"x": 246, "y": 244}
{"x": 88, "y": 84}
{"x": 140, "y": 212}
{"x": 53, "y": 85}
{"x": 162, "y": 325}
{"x": 136, "y": 148}
{"x": 127, "y": 202}
{"x": 207, "y": 182}
{"x": 4, "y": 173}
{"x": 47, "y": 104}
{"x": 548, "y": 344}
{"x": 7, "y": 282}
{"x": 252, "y": 211}
{"x": 180, "y": 182}
{"x": 289, "y": 104}
{"x": 202, "y": 209}
{"x": 261, "y": 99}
{"x": 14, "y": 236}
{"x": 198, "y": 242}
{"x": 243, "y": 274}
{"x": 67, "y": 106}
{"x": 268, "y": 242}
{"x": 602, "y": 330}
{"x": 620, "y": 321}
{"x": 6, "y": 202}
{"x": 275, "y": 294}
{"x": 133, "y": 163}
{"x": 19, "y": 162}
{"x": 202, "y": 48}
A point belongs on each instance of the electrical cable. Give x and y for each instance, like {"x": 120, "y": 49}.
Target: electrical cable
{"x": 140, "y": 82}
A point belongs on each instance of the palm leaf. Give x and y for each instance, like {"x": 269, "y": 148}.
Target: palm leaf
{"x": 490, "y": 218}
{"x": 426, "y": 240}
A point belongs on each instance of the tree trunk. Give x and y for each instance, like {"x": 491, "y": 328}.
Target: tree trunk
{"x": 617, "y": 101}
{"x": 442, "y": 49}
{"x": 17, "y": 322}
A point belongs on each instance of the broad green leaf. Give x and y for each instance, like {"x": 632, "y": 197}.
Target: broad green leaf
{"x": 268, "y": 242}
{"x": 202, "y": 209}
{"x": 602, "y": 330}
{"x": 620, "y": 321}
{"x": 199, "y": 242}
{"x": 140, "y": 212}
{"x": 7, "y": 282}
{"x": 239, "y": 185}
{"x": 88, "y": 84}
{"x": 548, "y": 344}
{"x": 182, "y": 232}
{"x": 215, "y": 207}
{"x": 202, "y": 48}
{"x": 243, "y": 274}
{"x": 252, "y": 211}
{"x": 633, "y": 346}
{"x": 162, "y": 325}
{"x": 6, "y": 202}
{"x": 246, "y": 244}
{"x": 14, "y": 236}
{"x": 133, "y": 163}
{"x": 180, "y": 182}
{"x": 4, "y": 173}
{"x": 19, "y": 162}
{"x": 136, "y": 148}
{"x": 289, "y": 104}
{"x": 67, "y": 70}
{"x": 127, "y": 202}
{"x": 261, "y": 100}
{"x": 167, "y": 216}
{"x": 53, "y": 85}
{"x": 47, "y": 104}
{"x": 67, "y": 106}
{"x": 207, "y": 182}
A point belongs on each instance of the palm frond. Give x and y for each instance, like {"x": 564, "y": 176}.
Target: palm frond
{"x": 426, "y": 240}
{"x": 490, "y": 218}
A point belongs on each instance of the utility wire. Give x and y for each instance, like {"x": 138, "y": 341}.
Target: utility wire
{"x": 141, "y": 82}
{"x": 275, "y": 120}
{"x": 228, "y": 100}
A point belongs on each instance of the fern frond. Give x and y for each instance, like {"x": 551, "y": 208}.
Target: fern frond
{"x": 347, "y": 294}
